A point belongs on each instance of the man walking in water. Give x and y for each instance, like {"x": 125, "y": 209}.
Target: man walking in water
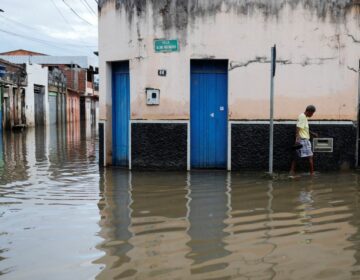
{"x": 303, "y": 139}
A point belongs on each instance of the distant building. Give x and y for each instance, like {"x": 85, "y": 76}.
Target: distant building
{"x": 21, "y": 52}
{"x": 57, "y": 84}
{"x": 185, "y": 84}
{"x": 13, "y": 80}
{"x": 70, "y": 80}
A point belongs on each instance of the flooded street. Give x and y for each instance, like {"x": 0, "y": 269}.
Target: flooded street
{"x": 61, "y": 217}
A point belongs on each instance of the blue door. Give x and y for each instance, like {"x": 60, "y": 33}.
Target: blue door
{"x": 208, "y": 113}
{"x": 120, "y": 113}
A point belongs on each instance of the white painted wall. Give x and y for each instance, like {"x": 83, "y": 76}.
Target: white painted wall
{"x": 320, "y": 56}
{"x": 88, "y": 109}
{"x": 36, "y": 75}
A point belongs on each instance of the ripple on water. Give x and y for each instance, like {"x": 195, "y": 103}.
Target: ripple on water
{"x": 77, "y": 221}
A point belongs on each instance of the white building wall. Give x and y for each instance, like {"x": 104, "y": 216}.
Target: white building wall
{"x": 88, "y": 110}
{"x": 318, "y": 56}
{"x": 36, "y": 75}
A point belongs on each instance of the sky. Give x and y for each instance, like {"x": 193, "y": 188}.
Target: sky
{"x": 53, "y": 27}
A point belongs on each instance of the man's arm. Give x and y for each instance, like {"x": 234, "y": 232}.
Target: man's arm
{"x": 313, "y": 134}
{"x": 297, "y": 139}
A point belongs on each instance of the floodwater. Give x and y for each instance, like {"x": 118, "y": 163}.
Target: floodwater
{"x": 63, "y": 218}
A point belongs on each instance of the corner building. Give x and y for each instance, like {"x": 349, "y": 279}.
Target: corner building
{"x": 186, "y": 84}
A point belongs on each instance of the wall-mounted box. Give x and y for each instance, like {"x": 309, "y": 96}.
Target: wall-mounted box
{"x": 323, "y": 145}
{"x": 152, "y": 96}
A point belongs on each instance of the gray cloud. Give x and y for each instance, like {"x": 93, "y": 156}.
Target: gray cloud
{"x": 49, "y": 26}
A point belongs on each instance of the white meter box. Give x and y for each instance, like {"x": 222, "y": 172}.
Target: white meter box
{"x": 323, "y": 145}
{"x": 152, "y": 96}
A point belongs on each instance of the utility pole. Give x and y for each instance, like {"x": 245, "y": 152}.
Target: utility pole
{"x": 271, "y": 142}
{"x": 358, "y": 122}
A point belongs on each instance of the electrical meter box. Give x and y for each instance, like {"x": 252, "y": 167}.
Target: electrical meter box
{"x": 323, "y": 145}
{"x": 152, "y": 96}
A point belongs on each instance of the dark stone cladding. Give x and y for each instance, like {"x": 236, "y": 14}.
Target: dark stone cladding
{"x": 250, "y": 147}
{"x": 159, "y": 146}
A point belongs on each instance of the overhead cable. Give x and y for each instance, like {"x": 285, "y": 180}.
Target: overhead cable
{"x": 43, "y": 41}
{"x": 88, "y": 7}
{"x": 80, "y": 17}
{"x": 64, "y": 18}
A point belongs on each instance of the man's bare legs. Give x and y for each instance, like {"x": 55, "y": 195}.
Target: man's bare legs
{"x": 311, "y": 162}
{"x": 293, "y": 166}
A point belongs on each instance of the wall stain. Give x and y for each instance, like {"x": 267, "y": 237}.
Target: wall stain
{"x": 352, "y": 69}
{"x": 180, "y": 15}
{"x": 353, "y": 38}
{"x": 176, "y": 13}
{"x": 261, "y": 59}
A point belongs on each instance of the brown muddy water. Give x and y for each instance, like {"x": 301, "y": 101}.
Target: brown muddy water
{"x": 63, "y": 218}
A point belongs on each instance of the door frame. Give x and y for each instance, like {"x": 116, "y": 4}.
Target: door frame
{"x": 43, "y": 93}
{"x": 228, "y": 148}
{"x": 113, "y": 65}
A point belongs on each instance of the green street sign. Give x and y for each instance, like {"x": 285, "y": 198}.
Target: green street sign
{"x": 166, "y": 45}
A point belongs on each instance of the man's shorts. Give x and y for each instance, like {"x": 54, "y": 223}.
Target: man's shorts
{"x": 305, "y": 150}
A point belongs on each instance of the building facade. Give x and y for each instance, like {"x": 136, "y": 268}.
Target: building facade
{"x": 89, "y": 101}
{"x": 185, "y": 84}
{"x": 13, "y": 81}
{"x": 37, "y": 96}
{"x": 24, "y": 95}
{"x": 68, "y": 81}
{"x": 57, "y": 96}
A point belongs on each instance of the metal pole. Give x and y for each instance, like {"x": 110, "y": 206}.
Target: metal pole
{"x": 271, "y": 142}
{"x": 358, "y": 122}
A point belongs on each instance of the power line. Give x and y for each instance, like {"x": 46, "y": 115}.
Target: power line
{"x": 28, "y": 27}
{"x": 64, "y": 18}
{"x": 53, "y": 45}
{"x": 42, "y": 41}
{"x": 88, "y": 7}
{"x": 62, "y": 15}
{"x": 18, "y": 23}
{"x": 84, "y": 20}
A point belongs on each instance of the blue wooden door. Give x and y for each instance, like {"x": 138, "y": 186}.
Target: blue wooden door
{"x": 208, "y": 113}
{"x": 120, "y": 113}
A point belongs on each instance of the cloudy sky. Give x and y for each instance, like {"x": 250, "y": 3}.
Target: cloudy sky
{"x": 54, "y": 27}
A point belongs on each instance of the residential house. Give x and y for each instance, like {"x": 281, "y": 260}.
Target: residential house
{"x": 13, "y": 80}
{"x": 70, "y": 80}
{"x": 186, "y": 84}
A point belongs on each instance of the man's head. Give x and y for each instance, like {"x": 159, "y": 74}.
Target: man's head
{"x": 310, "y": 110}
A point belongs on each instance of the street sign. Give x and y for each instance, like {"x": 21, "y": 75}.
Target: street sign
{"x": 166, "y": 45}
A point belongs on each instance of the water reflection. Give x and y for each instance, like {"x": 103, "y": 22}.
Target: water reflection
{"x": 115, "y": 209}
{"x": 208, "y": 209}
{"x": 148, "y": 225}
{"x": 79, "y": 222}
{"x": 14, "y": 158}
{"x": 212, "y": 225}
{"x": 48, "y": 212}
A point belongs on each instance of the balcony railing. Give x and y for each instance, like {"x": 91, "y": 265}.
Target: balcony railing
{"x": 57, "y": 78}
{"x": 16, "y": 78}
